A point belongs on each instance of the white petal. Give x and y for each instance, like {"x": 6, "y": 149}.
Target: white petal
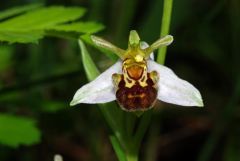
{"x": 173, "y": 89}
{"x": 144, "y": 45}
{"x": 151, "y": 56}
{"x": 100, "y": 90}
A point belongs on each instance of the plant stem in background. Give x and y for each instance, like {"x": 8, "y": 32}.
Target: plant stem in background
{"x": 132, "y": 158}
{"x": 166, "y": 19}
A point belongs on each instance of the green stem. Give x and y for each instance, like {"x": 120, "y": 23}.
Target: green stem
{"x": 132, "y": 157}
{"x": 142, "y": 128}
{"x": 145, "y": 120}
{"x": 130, "y": 122}
{"x": 166, "y": 19}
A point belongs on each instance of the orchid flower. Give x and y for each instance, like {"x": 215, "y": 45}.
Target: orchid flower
{"x": 136, "y": 81}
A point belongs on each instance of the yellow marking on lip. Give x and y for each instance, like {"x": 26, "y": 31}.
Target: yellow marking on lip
{"x": 138, "y": 58}
{"x": 135, "y": 71}
{"x": 129, "y": 84}
{"x": 135, "y": 96}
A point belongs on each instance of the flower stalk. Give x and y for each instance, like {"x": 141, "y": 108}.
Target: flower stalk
{"x": 135, "y": 70}
{"x": 165, "y": 27}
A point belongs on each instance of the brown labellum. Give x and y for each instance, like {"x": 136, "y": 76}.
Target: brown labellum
{"x": 136, "y": 97}
{"x": 136, "y": 89}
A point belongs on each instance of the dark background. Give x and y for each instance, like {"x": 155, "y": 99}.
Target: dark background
{"x": 40, "y": 80}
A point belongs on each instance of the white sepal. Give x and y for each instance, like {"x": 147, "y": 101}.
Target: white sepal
{"x": 100, "y": 90}
{"x": 173, "y": 89}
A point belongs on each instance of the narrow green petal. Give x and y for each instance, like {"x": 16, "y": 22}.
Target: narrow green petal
{"x": 107, "y": 45}
{"x": 166, "y": 40}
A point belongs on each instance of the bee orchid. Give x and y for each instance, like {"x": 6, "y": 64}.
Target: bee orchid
{"x": 136, "y": 81}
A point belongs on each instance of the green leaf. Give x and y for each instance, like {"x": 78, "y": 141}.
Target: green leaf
{"x": 51, "y": 21}
{"x": 81, "y": 27}
{"x": 112, "y": 113}
{"x": 17, "y": 10}
{"x": 15, "y": 131}
{"x": 43, "y": 18}
{"x": 21, "y": 36}
{"x": 90, "y": 68}
{"x": 118, "y": 149}
{"x": 31, "y": 26}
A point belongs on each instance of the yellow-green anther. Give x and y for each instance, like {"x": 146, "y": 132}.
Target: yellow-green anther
{"x": 107, "y": 45}
{"x": 166, "y": 40}
{"x": 134, "y": 39}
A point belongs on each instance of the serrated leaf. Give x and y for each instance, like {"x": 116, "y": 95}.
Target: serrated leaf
{"x": 17, "y": 10}
{"x": 15, "y": 131}
{"x": 43, "y": 18}
{"x": 48, "y": 21}
{"x": 21, "y": 36}
{"x": 81, "y": 27}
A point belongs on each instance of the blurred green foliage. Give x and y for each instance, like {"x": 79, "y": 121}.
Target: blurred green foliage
{"x": 34, "y": 24}
{"x": 5, "y": 54}
{"x": 18, "y": 130}
{"x": 18, "y": 10}
{"x": 38, "y": 81}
